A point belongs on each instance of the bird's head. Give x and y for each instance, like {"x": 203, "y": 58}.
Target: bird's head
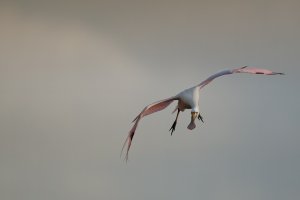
{"x": 194, "y": 112}
{"x": 194, "y": 115}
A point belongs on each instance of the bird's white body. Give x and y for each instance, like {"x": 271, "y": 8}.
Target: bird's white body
{"x": 188, "y": 99}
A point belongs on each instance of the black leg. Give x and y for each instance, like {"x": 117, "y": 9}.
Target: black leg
{"x": 200, "y": 117}
{"x": 172, "y": 129}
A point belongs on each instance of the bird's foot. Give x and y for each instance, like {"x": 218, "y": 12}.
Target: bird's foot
{"x": 172, "y": 129}
{"x": 200, "y": 118}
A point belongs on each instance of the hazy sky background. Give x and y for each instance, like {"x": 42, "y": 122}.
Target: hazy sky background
{"x": 73, "y": 75}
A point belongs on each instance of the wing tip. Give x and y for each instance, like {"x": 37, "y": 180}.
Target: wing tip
{"x": 278, "y": 73}
{"x": 128, "y": 142}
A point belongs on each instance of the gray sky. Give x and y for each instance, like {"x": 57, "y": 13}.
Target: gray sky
{"x": 73, "y": 75}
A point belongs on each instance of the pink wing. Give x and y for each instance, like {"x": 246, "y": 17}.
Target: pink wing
{"x": 154, "y": 107}
{"x": 245, "y": 69}
{"x": 253, "y": 70}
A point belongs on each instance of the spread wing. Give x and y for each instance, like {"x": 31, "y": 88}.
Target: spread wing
{"x": 245, "y": 69}
{"x": 152, "y": 108}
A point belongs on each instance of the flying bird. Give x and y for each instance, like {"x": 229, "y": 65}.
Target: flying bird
{"x": 187, "y": 99}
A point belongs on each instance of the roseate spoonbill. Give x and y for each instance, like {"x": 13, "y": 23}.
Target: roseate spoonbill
{"x": 187, "y": 99}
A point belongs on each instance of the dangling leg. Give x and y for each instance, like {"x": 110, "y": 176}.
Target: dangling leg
{"x": 172, "y": 129}
{"x": 200, "y": 117}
